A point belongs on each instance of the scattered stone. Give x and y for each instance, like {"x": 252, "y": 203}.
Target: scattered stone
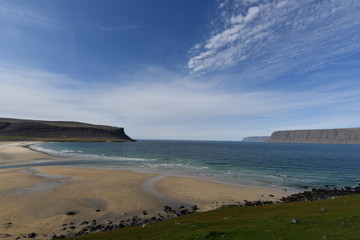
{"x": 294, "y": 221}
{"x": 194, "y": 208}
{"x": 98, "y": 210}
{"x": 84, "y": 223}
{"x": 144, "y": 213}
{"x": 322, "y": 210}
{"x": 71, "y": 213}
{"x": 320, "y": 194}
{"x": 343, "y": 223}
{"x": 31, "y": 235}
{"x": 167, "y": 209}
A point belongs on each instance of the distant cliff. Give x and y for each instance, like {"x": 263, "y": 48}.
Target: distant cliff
{"x": 335, "y": 136}
{"x": 256, "y": 139}
{"x": 34, "y": 130}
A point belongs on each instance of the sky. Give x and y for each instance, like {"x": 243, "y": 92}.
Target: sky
{"x": 183, "y": 69}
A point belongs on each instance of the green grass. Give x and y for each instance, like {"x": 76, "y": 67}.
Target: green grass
{"x": 340, "y": 220}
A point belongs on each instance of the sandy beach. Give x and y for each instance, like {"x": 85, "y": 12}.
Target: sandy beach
{"x": 49, "y": 200}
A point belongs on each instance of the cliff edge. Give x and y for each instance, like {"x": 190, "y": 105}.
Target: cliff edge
{"x": 329, "y": 136}
{"x": 36, "y": 130}
{"x": 256, "y": 139}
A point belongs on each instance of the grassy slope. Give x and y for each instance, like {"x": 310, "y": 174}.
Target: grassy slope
{"x": 340, "y": 220}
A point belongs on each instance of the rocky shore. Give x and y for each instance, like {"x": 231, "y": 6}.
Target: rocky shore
{"x": 315, "y": 194}
{"x": 70, "y": 229}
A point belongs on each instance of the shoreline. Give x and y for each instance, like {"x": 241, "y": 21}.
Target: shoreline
{"x": 36, "y": 199}
{"x": 243, "y": 183}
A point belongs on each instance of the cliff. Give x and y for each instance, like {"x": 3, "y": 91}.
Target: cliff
{"x": 330, "y": 136}
{"x": 34, "y": 130}
{"x": 256, "y": 139}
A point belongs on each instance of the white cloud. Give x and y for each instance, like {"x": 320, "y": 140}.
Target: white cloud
{"x": 177, "y": 108}
{"x": 279, "y": 31}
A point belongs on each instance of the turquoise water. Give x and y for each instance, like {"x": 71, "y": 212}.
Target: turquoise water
{"x": 278, "y": 165}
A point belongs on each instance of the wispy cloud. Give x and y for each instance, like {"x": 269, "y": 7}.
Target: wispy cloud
{"x": 117, "y": 28}
{"x": 26, "y": 15}
{"x": 252, "y": 35}
{"x": 180, "y": 108}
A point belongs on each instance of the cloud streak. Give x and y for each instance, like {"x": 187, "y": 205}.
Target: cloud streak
{"x": 118, "y": 28}
{"x": 26, "y": 15}
{"x": 256, "y": 34}
{"x": 181, "y": 108}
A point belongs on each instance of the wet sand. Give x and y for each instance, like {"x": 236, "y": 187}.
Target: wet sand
{"x": 38, "y": 199}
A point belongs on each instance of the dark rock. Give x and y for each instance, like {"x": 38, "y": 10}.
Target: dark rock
{"x": 20, "y": 129}
{"x": 31, "y": 235}
{"x": 98, "y": 210}
{"x": 194, "y": 208}
{"x": 167, "y": 209}
{"x": 84, "y": 223}
{"x": 71, "y": 213}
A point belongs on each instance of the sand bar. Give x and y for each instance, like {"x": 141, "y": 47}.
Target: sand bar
{"x": 37, "y": 199}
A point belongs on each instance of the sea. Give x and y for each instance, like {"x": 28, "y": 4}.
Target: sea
{"x": 274, "y": 165}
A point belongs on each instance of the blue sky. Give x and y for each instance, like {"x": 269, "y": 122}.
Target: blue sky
{"x": 199, "y": 69}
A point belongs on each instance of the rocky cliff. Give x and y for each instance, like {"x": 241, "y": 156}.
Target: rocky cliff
{"x": 331, "y": 136}
{"x": 34, "y": 130}
{"x": 256, "y": 139}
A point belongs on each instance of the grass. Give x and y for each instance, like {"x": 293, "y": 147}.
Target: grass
{"x": 328, "y": 219}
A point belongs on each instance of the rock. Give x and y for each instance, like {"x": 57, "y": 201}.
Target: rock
{"x": 167, "y": 209}
{"x": 31, "y": 235}
{"x": 294, "y": 221}
{"x": 71, "y": 213}
{"x": 337, "y": 136}
{"x": 19, "y": 129}
{"x": 84, "y": 223}
{"x": 194, "y": 208}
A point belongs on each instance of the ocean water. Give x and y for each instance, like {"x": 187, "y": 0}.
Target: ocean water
{"x": 276, "y": 165}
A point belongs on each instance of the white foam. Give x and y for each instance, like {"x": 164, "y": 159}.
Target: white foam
{"x": 79, "y": 155}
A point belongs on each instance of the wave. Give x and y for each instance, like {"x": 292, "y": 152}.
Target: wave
{"x": 79, "y": 155}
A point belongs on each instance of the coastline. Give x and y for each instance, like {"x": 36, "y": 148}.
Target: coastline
{"x": 37, "y": 199}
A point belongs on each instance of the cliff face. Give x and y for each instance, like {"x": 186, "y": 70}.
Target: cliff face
{"x": 17, "y": 129}
{"x": 256, "y": 139}
{"x": 331, "y": 136}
